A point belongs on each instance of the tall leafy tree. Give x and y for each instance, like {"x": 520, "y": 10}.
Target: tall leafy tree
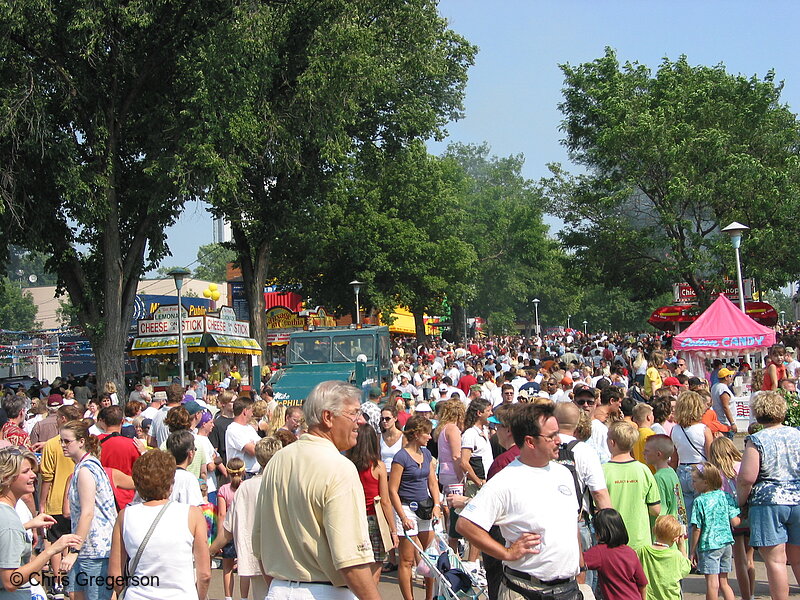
{"x": 671, "y": 157}
{"x": 502, "y": 220}
{"x": 91, "y": 134}
{"x": 318, "y": 84}
{"x": 17, "y": 310}
{"x": 213, "y": 261}
{"x": 404, "y": 236}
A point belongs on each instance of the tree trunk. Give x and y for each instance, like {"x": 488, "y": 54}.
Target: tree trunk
{"x": 254, "y": 274}
{"x": 419, "y": 326}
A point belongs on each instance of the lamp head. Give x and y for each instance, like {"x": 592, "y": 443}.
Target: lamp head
{"x": 735, "y": 230}
{"x": 356, "y": 285}
{"x": 178, "y": 275}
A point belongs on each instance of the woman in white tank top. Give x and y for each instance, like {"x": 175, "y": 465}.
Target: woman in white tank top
{"x": 692, "y": 441}
{"x": 391, "y": 437}
{"x": 181, "y": 535}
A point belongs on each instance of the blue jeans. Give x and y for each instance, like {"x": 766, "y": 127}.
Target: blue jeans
{"x": 689, "y": 494}
{"x": 88, "y": 575}
{"x": 586, "y": 532}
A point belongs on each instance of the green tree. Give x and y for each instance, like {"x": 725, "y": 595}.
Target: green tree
{"x": 402, "y": 238}
{"x": 23, "y": 264}
{"x": 213, "y": 259}
{"x": 781, "y": 302}
{"x": 501, "y": 218}
{"x": 17, "y": 310}
{"x": 321, "y": 84}
{"x": 671, "y": 157}
{"x": 92, "y": 99}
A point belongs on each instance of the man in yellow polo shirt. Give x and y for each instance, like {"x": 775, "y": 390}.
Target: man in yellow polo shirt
{"x": 310, "y": 530}
{"x": 56, "y": 469}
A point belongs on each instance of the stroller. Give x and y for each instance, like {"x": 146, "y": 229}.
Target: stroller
{"x": 444, "y": 566}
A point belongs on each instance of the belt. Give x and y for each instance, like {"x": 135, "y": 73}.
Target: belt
{"x": 687, "y": 464}
{"x": 311, "y": 582}
{"x": 532, "y": 579}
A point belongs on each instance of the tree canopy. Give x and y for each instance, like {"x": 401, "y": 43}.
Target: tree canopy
{"x": 17, "y": 310}
{"x": 92, "y": 98}
{"x": 322, "y": 86}
{"x": 670, "y": 158}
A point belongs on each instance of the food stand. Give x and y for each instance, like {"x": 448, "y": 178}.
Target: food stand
{"x": 723, "y": 331}
{"x": 214, "y": 341}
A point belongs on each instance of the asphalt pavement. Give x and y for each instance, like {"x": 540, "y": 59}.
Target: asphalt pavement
{"x": 693, "y": 586}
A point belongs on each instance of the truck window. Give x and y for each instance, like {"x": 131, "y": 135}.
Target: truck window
{"x": 385, "y": 360}
{"x": 309, "y": 350}
{"x": 347, "y": 348}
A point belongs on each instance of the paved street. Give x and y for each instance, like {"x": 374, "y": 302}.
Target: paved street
{"x": 693, "y": 586}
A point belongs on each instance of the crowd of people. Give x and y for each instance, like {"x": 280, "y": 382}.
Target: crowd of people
{"x": 559, "y": 467}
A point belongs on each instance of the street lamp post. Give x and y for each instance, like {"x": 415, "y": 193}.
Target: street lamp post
{"x": 783, "y": 317}
{"x": 585, "y": 323}
{"x": 536, "y": 309}
{"x": 568, "y": 318}
{"x": 357, "y": 288}
{"x": 735, "y": 230}
{"x": 178, "y": 275}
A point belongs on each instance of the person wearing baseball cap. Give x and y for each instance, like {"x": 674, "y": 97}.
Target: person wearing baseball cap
{"x": 47, "y": 427}
{"x": 674, "y": 384}
{"x": 721, "y": 397}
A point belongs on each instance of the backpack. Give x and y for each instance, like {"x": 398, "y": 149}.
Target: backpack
{"x": 566, "y": 457}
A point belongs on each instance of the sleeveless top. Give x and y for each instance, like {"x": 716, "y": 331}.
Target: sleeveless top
{"x": 780, "y": 371}
{"x": 447, "y": 472}
{"x": 98, "y": 541}
{"x": 778, "y": 479}
{"x": 371, "y": 489}
{"x": 689, "y": 443}
{"x": 171, "y": 538}
{"x": 388, "y": 452}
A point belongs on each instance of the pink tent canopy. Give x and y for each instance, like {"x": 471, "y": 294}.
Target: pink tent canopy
{"x": 723, "y": 328}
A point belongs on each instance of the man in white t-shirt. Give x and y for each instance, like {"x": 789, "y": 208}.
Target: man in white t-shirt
{"x": 156, "y": 402}
{"x": 185, "y": 487}
{"x": 534, "y": 503}
{"x": 240, "y": 437}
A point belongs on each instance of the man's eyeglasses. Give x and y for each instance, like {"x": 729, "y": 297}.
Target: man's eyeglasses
{"x": 354, "y": 417}
{"x": 585, "y": 402}
{"x": 552, "y": 437}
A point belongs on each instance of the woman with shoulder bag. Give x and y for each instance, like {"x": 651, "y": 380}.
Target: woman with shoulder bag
{"x": 692, "y": 441}
{"x": 414, "y": 491}
{"x": 158, "y": 528}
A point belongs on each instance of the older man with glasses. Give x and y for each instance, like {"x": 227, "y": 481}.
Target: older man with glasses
{"x": 310, "y": 533}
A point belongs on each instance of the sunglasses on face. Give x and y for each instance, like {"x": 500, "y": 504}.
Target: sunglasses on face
{"x": 585, "y": 402}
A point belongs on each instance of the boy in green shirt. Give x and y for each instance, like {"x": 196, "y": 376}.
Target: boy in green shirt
{"x": 663, "y": 564}
{"x": 657, "y": 451}
{"x": 631, "y": 485}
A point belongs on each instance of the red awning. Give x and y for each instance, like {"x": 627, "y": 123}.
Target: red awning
{"x": 664, "y": 318}
{"x": 291, "y": 300}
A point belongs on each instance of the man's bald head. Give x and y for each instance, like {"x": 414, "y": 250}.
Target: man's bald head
{"x": 567, "y": 414}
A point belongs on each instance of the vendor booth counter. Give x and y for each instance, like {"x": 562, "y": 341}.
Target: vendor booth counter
{"x": 215, "y": 342}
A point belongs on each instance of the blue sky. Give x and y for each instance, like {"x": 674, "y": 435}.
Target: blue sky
{"x": 515, "y": 85}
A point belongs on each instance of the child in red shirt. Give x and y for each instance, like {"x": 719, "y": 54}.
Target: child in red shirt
{"x": 621, "y": 573}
